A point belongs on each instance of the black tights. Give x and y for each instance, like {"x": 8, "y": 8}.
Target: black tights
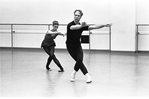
{"x": 50, "y": 51}
{"x": 76, "y": 53}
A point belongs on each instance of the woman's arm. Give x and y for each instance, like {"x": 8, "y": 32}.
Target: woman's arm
{"x": 55, "y": 34}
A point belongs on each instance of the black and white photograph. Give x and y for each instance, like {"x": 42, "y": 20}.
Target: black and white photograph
{"x": 74, "y": 49}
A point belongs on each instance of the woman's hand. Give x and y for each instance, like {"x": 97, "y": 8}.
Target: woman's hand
{"x": 62, "y": 34}
{"x": 108, "y": 25}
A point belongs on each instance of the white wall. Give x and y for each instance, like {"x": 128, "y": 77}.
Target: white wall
{"x": 142, "y": 13}
{"x": 45, "y": 11}
{"x": 124, "y": 14}
{"x": 123, "y": 17}
{"x": 5, "y": 36}
{"x": 143, "y": 18}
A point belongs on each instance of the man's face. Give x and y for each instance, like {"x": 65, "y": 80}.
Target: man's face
{"x": 77, "y": 16}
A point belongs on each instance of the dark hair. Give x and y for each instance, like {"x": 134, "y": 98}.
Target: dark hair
{"x": 55, "y": 22}
{"x": 79, "y": 11}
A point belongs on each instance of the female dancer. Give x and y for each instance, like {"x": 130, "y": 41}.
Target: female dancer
{"x": 48, "y": 45}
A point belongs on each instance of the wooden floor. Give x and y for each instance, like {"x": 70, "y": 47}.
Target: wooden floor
{"x": 115, "y": 74}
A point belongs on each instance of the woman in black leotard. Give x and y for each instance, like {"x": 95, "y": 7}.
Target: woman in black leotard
{"x": 48, "y": 45}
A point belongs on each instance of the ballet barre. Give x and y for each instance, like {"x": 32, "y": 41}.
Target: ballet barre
{"x": 14, "y": 30}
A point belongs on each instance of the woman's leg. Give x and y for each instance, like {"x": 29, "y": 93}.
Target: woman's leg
{"x": 47, "y": 50}
{"x": 52, "y": 50}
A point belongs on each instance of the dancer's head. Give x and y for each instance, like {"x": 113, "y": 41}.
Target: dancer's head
{"x": 77, "y": 15}
{"x": 55, "y": 25}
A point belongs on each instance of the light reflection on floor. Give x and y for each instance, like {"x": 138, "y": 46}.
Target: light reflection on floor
{"x": 116, "y": 74}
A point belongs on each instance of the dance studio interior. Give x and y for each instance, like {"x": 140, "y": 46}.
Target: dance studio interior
{"x": 116, "y": 56}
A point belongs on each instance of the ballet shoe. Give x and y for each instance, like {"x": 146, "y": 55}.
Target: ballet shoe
{"x": 89, "y": 80}
{"x": 49, "y": 69}
{"x": 60, "y": 70}
{"x": 72, "y": 79}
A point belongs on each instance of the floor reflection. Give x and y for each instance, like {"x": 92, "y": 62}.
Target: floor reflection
{"x": 115, "y": 74}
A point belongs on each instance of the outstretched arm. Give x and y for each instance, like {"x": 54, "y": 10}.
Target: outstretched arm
{"x": 75, "y": 27}
{"x": 55, "y": 34}
{"x": 91, "y": 27}
{"x": 78, "y": 26}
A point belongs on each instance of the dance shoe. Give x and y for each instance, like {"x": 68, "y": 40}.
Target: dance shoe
{"x": 72, "y": 79}
{"x": 89, "y": 80}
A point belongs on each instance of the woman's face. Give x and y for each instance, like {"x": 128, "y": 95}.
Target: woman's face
{"x": 55, "y": 27}
{"x": 77, "y": 16}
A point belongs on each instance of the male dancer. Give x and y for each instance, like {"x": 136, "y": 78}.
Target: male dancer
{"x": 73, "y": 44}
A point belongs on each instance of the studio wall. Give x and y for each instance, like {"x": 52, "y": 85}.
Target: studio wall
{"x": 123, "y": 14}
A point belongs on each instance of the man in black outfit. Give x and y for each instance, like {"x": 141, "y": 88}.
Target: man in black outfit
{"x": 73, "y": 44}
